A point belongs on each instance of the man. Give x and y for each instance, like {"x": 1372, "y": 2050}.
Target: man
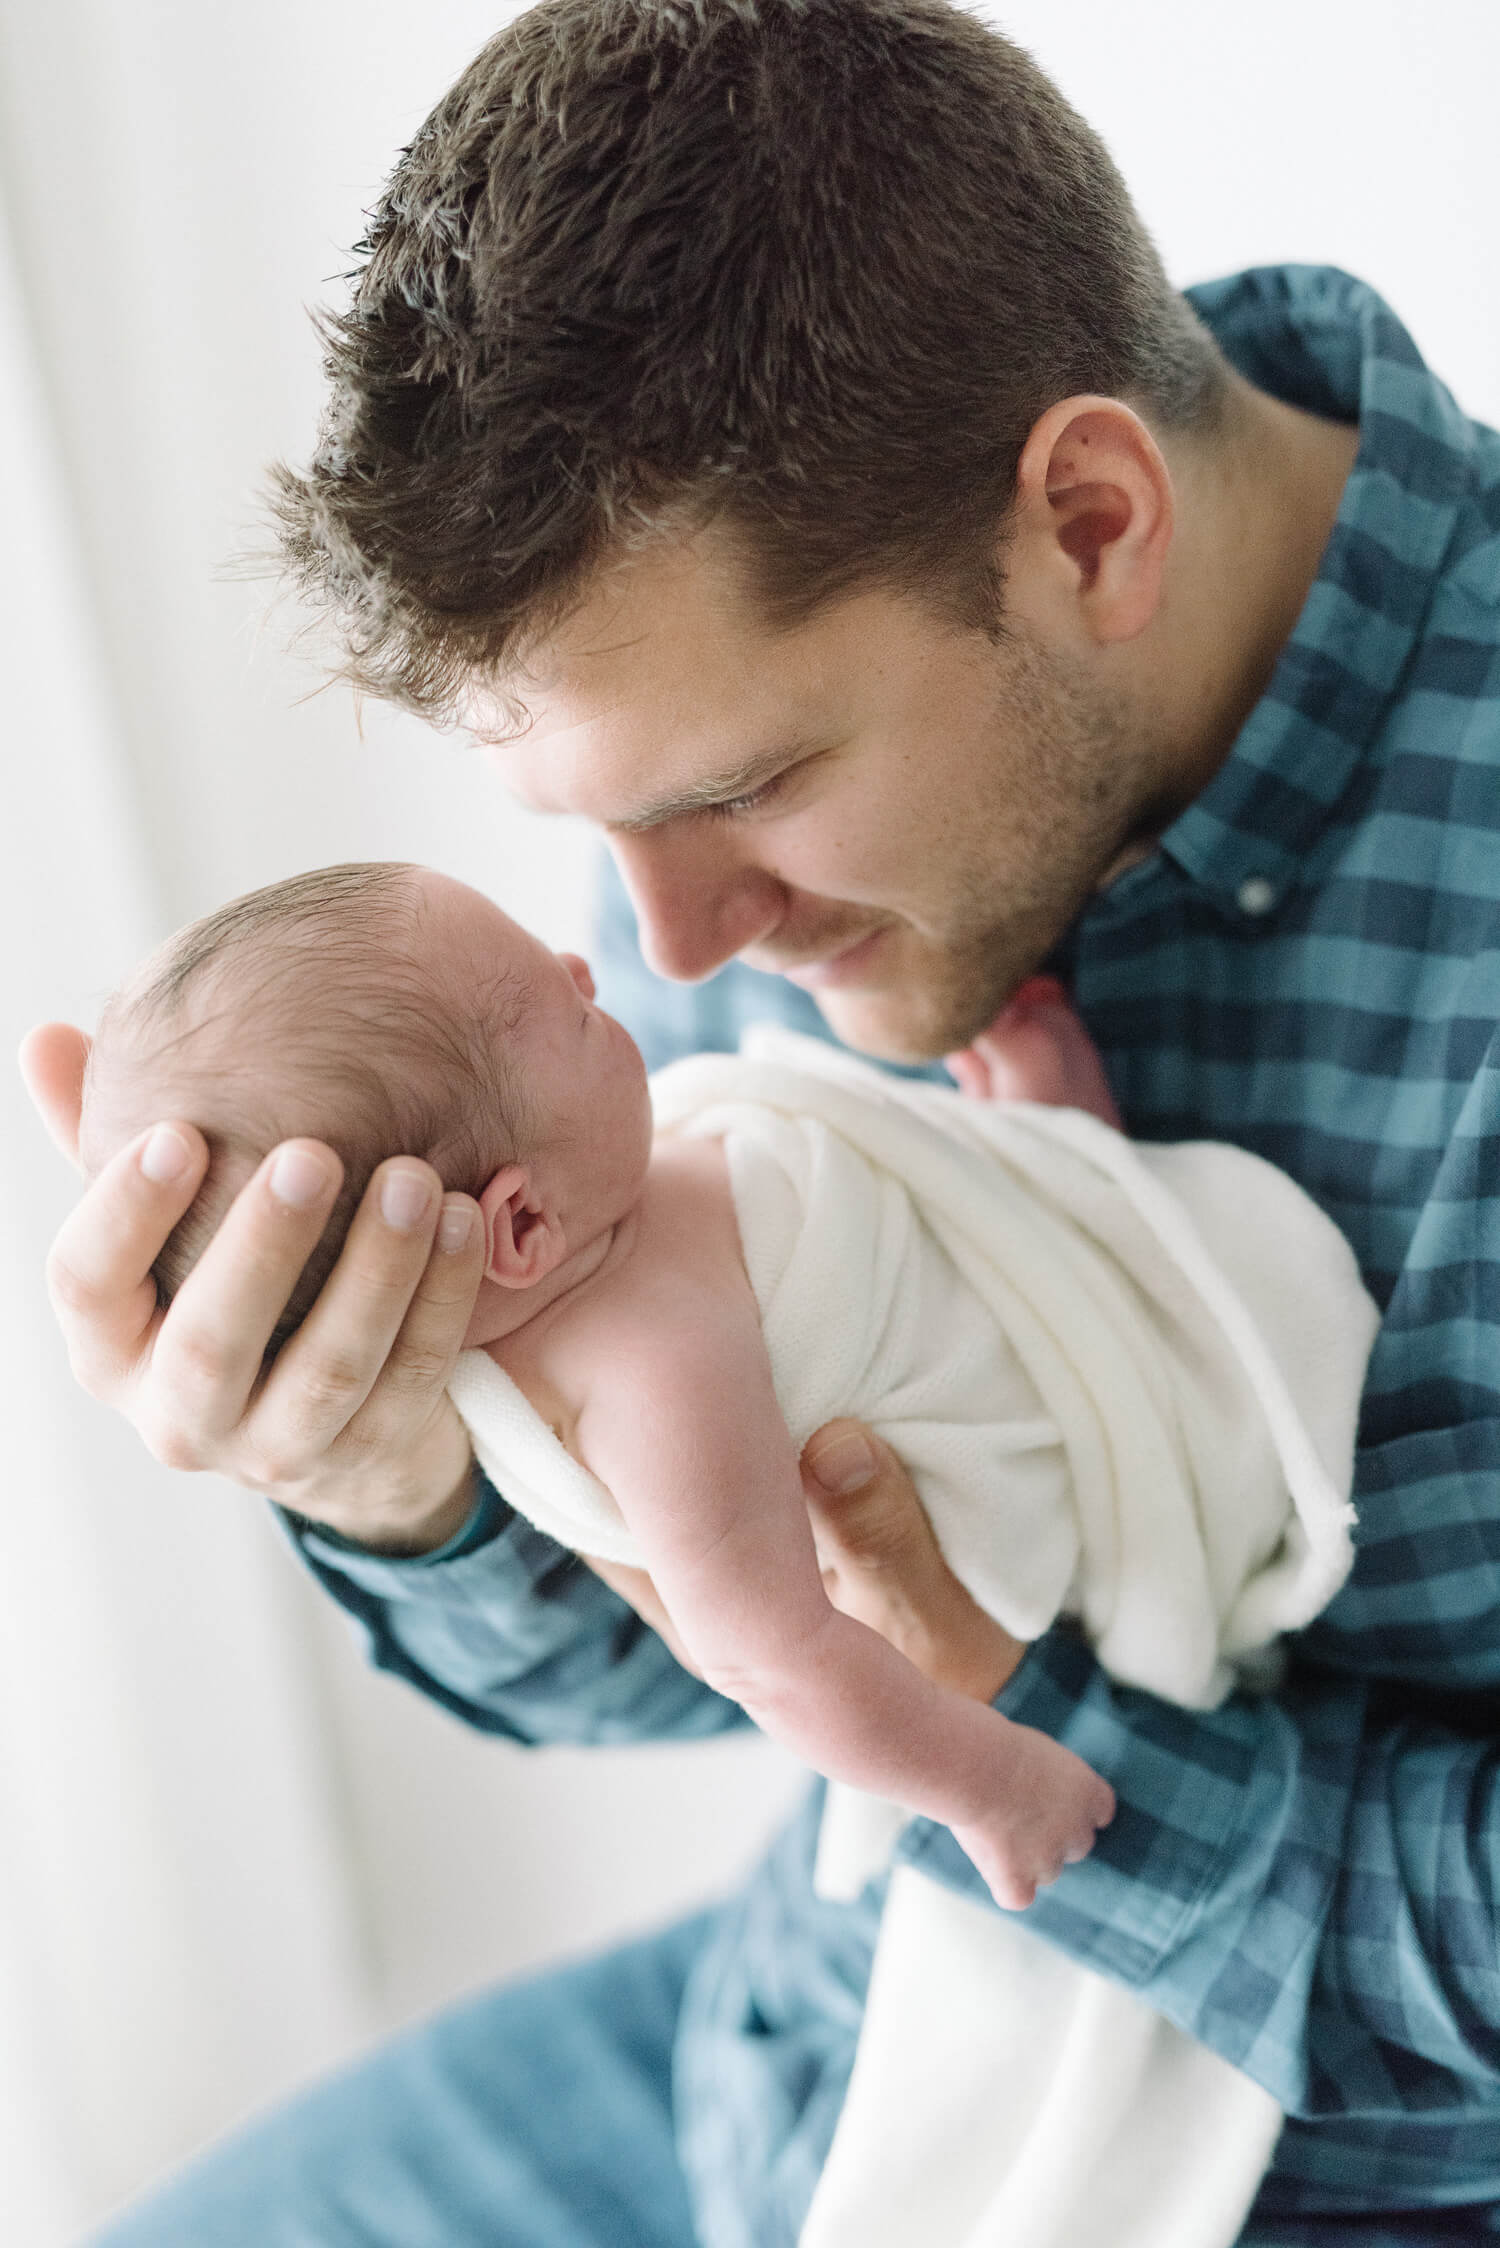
{"x": 769, "y": 426}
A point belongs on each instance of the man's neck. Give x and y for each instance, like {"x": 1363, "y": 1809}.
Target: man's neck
{"x": 1256, "y": 507}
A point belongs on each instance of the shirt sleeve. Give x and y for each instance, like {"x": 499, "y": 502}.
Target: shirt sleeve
{"x": 515, "y": 1635}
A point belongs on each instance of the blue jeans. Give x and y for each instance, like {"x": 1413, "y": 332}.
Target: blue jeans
{"x": 537, "y": 2116}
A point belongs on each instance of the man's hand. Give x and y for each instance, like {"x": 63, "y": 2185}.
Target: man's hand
{"x": 882, "y": 1564}
{"x": 352, "y": 1426}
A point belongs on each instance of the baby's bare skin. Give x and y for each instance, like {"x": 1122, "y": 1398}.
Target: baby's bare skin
{"x": 615, "y": 1294}
{"x": 654, "y": 1373}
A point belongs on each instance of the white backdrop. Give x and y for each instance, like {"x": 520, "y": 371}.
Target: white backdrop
{"x": 227, "y": 1854}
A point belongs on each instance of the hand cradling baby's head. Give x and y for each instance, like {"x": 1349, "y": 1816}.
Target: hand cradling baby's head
{"x": 321, "y": 1008}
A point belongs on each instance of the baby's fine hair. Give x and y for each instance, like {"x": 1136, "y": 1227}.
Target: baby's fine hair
{"x": 306, "y": 1010}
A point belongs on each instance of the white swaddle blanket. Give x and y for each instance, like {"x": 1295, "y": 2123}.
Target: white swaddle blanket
{"x": 1125, "y": 1380}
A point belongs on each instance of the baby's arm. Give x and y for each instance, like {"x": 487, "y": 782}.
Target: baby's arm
{"x": 1036, "y": 1049}
{"x": 685, "y": 1430}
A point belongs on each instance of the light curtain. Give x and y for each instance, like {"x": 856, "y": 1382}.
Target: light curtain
{"x": 175, "y": 1898}
{"x": 226, "y": 1854}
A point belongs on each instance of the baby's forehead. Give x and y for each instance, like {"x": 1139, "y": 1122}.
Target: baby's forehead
{"x": 486, "y": 959}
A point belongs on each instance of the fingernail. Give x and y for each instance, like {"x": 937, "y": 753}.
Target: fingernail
{"x": 845, "y": 1465}
{"x": 165, "y": 1157}
{"x": 298, "y": 1178}
{"x": 455, "y": 1228}
{"x": 405, "y": 1199}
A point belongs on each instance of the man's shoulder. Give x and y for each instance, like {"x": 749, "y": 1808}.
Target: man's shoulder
{"x": 1445, "y": 716}
{"x": 1466, "y": 602}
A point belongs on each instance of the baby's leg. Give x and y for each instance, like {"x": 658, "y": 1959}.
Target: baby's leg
{"x": 1036, "y": 1049}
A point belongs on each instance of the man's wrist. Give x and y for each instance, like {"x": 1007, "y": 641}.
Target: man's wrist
{"x": 982, "y": 1664}
{"x": 410, "y": 1532}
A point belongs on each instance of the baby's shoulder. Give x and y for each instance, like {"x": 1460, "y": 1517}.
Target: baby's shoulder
{"x": 687, "y": 1243}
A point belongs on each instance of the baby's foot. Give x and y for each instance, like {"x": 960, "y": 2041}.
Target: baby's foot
{"x": 1051, "y": 1805}
{"x": 1036, "y": 1049}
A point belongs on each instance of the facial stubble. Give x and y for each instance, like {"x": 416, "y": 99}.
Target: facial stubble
{"x": 1069, "y": 783}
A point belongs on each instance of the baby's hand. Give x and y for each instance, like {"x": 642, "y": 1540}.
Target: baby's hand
{"x": 1051, "y": 1808}
{"x": 1036, "y": 1049}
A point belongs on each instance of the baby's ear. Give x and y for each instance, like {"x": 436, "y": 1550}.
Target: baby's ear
{"x": 524, "y": 1238}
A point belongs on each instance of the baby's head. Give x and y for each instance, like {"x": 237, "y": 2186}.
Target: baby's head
{"x": 385, "y": 1010}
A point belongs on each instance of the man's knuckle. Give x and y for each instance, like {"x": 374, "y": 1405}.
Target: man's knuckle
{"x": 200, "y": 1359}
{"x": 170, "y": 1443}
{"x": 417, "y": 1365}
{"x": 329, "y": 1385}
{"x": 271, "y": 1467}
{"x": 363, "y": 1445}
{"x": 71, "y": 1296}
{"x": 92, "y": 1372}
{"x": 382, "y": 1289}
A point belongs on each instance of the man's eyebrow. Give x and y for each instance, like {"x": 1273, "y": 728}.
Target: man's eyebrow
{"x": 717, "y": 788}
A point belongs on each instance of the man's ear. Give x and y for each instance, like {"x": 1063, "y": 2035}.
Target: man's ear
{"x": 1094, "y": 496}
{"x": 524, "y": 1240}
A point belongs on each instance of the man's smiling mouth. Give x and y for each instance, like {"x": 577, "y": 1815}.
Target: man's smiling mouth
{"x": 847, "y": 964}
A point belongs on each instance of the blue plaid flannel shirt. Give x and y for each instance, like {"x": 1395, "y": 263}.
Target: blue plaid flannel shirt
{"x": 1308, "y": 965}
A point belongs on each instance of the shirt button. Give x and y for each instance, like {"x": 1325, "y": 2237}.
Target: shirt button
{"x": 1256, "y": 895}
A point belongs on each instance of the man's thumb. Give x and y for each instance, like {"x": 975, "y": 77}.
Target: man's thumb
{"x": 859, "y": 1496}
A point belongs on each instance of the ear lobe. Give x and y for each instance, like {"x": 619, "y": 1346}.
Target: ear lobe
{"x": 523, "y": 1237}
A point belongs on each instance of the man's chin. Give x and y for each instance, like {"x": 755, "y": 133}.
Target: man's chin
{"x": 913, "y": 1028}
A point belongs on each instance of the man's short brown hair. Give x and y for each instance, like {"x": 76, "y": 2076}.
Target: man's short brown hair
{"x": 806, "y": 269}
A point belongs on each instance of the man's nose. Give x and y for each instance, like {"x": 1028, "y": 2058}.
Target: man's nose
{"x": 695, "y": 909}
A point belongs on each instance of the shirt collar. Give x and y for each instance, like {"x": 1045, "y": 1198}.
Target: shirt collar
{"x": 1321, "y": 340}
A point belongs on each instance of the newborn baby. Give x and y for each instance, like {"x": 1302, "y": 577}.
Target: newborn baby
{"x": 387, "y": 1009}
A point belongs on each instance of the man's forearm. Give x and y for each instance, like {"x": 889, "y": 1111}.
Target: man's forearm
{"x": 515, "y": 1635}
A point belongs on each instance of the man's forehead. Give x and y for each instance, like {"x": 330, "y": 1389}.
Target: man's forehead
{"x": 666, "y": 690}
{"x": 659, "y": 657}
